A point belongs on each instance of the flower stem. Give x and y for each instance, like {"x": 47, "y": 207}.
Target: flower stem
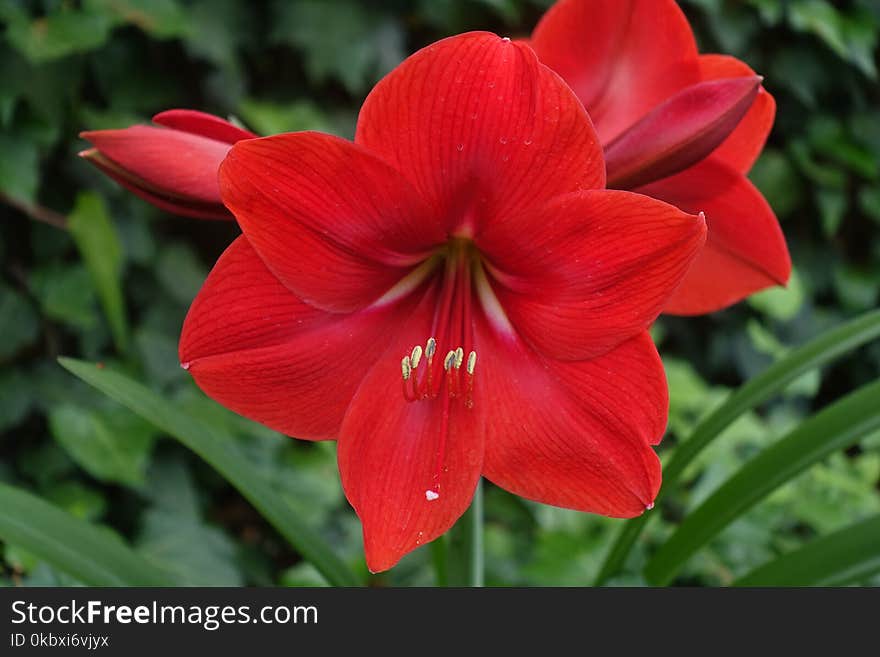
{"x": 465, "y": 562}
{"x": 440, "y": 559}
{"x": 477, "y": 574}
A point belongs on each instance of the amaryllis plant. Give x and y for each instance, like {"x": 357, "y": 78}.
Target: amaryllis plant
{"x": 454, "y": 294}
{"x": 678, "y": 126}
{"x": 457, "y": 294}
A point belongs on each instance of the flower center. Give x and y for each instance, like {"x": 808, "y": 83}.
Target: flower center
{"x": 450, "y": 380}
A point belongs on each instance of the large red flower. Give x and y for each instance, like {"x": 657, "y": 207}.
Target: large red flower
{"x": 173, "y": 166}
{"x": 453, "y": 294}
{"x": 660, "y": 109}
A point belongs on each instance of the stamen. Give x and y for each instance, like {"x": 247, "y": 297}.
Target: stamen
{"x": 406, "y": 371}
{"x": 472, "y": 362}
{"x": 449, "y": 361}
{"x": 430, "y": 348}
{"x": 416, "y": 356}
{"x": 469, "y": 389}
{"x": 459, "y": 357}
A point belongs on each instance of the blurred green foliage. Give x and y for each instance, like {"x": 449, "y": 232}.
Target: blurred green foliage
{"x": 101, "y": 275}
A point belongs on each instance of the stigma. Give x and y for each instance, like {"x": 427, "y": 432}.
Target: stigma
{"x": 424, "y": 378}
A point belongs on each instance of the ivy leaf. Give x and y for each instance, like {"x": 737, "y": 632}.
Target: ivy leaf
{"x": 18, "y": 322}
{"x": 112, "y": 445}
{"x": 340, "y": 40}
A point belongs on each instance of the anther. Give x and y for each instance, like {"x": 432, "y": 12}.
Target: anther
{"x": 416, "y": 357}
{"x": 472, "y": 362}
{"x": 405, "y": 368}
{"x": 449, "y": 361}
{"x": 430, "y": 348}
{"x": 459, "y": 357}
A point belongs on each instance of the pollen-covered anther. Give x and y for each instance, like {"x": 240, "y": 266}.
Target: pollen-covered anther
{"x": 406, "y": 368}
{"x": 416, "y": 356}
{"x": 430, "y": 347}
{"x": 449, "y": 361}
{"x": 469, "y": 385}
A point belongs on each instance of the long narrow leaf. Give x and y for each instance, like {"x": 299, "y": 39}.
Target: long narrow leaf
{"x": 818, "y": 352}
{"x": 847, "y": 556}
{"x": 82, "y": 550}
{"x": 833, "y": 428}
{"x": 215, "y": 449}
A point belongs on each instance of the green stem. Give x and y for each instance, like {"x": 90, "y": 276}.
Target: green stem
{"x": 465, "y": 546}
{"x": 477, "y": 569}
{"x": 440, "y": 558}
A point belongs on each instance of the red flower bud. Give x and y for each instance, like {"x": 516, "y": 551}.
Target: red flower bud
{"x": 174, "y": 166}
{"x": 679, "y": 132}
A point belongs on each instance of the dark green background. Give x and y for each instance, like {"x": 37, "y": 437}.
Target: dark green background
{"x": 307, "y": 64}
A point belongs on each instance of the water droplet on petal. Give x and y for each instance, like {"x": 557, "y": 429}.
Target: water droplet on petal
{"x": 431, "y": 495}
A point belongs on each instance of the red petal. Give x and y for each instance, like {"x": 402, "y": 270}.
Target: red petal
{"x": 334, "y": 223}
{"x": 743, "y": 146}
{"x": 745, "y": 248}
{"x": 199, "y": 123}
{"x": 138, "y": 187}
{"x": 176, "y": 163}
{"x": 576, "y": 434}
{"x": 481, "y": 129}
{"x": 590, "y": 270}
{"x": 679, "y": 132}
{"x": 254, "y": 347}
{"x": 621, "y": 57}
{"x": 394, "y": 456}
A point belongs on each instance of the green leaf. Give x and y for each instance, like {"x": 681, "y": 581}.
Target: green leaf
{"x": 775, "y": 176}
{"x": 180, "y": 272}
{"x": 66, "y": 294}
{"x": 160, "y": 18}
{"x": 174, "y": 534}
{"x": 268, "y": 118}
{"x": 220, "y": 452}
{"x": 19, "y": 167}
{"x": 59, "y": 34}
{"x": 100, "y": 248}
{"x": 834, "y": 427}
{"x": 848, "y": 556}
{"x": 16, "y": 397}
{"x": 832, "y": 208}
{"x": 77, "y": 499}
{"x": 18, "y": 322}
{"x": 778, "y": 302}
{"x": 818, "y": 352}
{"x": 341, "y": 40}
{"x": 169, "y": 538}
{"x": 90, "y": 553}
{"x": 109, "y": 446}
{"x": 852, "y": 38}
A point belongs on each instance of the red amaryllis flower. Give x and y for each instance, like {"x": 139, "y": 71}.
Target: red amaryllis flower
{"x": 174, "y": 166}
{"x": 453, "y": 294}
{"x": 660, "y": 108}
